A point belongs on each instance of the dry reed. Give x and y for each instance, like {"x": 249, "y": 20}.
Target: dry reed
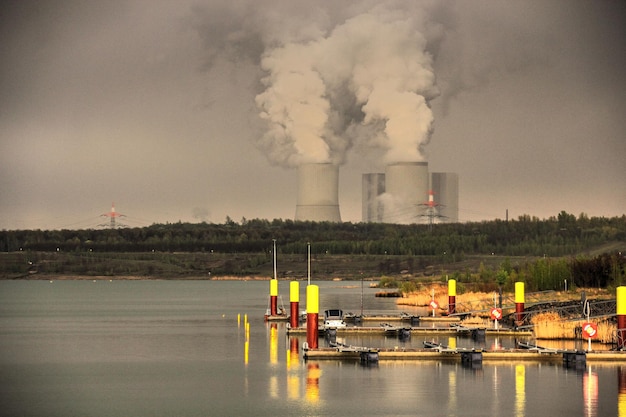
{"x": 470, "y": 301}
{"x": 549, "y": 325}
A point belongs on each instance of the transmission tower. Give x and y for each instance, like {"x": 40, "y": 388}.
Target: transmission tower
{"x": 113, "y": 215}
{"x": 431, "y": 210}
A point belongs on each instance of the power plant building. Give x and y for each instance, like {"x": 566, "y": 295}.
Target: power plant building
{"x": 445, "y": 186}
{"x": 406, "y": 187}
{"x": 373, "y": 186}
{"x": 407, "y": 193}
{"x": 318, "y": 193}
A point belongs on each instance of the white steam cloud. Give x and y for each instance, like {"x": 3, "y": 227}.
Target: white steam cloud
{"x": 367, "y": 81}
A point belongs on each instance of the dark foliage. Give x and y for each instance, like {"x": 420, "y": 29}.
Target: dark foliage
{"x": 388, "y": 248}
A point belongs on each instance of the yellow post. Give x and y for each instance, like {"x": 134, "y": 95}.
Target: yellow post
{"x": 294, "y": 292}
{"x": 312, "y": 299}
{"x": 452, "y": 288}
{"x": 621, "y": 300}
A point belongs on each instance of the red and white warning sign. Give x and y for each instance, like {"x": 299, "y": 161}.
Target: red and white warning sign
{"x": 433, "y": 304}
{"x": 590, "y": 330}
{"x": 496, "y": 313}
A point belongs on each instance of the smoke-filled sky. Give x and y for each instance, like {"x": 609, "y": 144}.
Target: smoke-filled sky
{"x": 195, "y": 110}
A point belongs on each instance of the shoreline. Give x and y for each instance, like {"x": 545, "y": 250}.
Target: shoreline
{"x": 56, "y": 277}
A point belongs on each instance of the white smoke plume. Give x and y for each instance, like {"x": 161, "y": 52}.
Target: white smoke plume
{"x": 368, "y": 80}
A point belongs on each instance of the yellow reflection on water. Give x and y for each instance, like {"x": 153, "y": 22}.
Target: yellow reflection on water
{"x": 590, "y": 393}
{"x": 520, "y": 390}
{"x": 621, "y": 393}
{"x": 272, "y": 386}
{"x": 293, "y": 377}
{"x": 452, "y": 402}
{"x": 313, "y": 383}
{"x": 273, "y": 344}
{"x": 496, "y": 387}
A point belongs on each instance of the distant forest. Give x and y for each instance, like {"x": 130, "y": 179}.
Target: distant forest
{"x": 557, "y": 236}
{"x": 382, "y": 248}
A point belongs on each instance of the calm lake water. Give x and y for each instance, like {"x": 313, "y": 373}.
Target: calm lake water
{"x": 166, "y": 348}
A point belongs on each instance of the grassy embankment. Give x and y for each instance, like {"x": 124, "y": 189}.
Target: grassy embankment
{"x": 211, "y": 265}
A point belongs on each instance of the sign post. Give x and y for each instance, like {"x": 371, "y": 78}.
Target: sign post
{"x": 590, "y": 330}
{"x": 433, "y": 304}
{"x": 496, "y": 314}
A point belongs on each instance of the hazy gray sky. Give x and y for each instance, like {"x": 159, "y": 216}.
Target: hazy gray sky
{"x": 155, "y": 105}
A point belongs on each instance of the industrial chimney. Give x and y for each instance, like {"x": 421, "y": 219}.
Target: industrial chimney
{"x": 318, "y": 192}
{"x": 406, "y": 187}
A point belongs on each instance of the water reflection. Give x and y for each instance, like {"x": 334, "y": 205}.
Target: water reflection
{"x": 293, "y": 375}
{"x": 313, "y": 383}
{"x": 590, "y": 393}
{"x": 520, "y": 390}
{"x": 452, "y": 401}
{"x": 496, "y": 389}
{"x": 274, "y": 343}
{"x": 621, "y": 395}
{"x": 185, "y": 359}
{"x": 303, "y": 381}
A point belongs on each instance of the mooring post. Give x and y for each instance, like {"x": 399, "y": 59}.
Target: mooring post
{"x": 312, "y": 315}
{"x": 451, "y": 296}
{"x": 621, "y": 317}
{"x": 273, "y": 297}
{"x": 519, "y": 303}
{"x": 294, "y": 299}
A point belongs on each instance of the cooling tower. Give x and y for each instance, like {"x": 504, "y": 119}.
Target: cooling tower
{"x": 318, "y": 193}
{"x": 373, "y": 186}
{"x": 406, "y": 187}
{"x": 445, "y": 185}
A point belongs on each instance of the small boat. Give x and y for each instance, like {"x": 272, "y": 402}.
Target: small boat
{"x": 333, "y": 319}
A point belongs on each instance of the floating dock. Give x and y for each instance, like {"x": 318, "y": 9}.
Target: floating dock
{"x": 275, "y": 318}
{"x": 419, "y": 331}
{"x": 404, "y": 317}
{"x": 364, "y": 354}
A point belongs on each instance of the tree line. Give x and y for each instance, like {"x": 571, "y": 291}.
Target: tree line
{"x": 546, "y": 254}
{"x": 562, "y": 235}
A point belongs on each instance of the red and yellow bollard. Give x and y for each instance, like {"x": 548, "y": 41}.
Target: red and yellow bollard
{"x": 621, "y": 317}
{"x": 273, "y": 297}
{"x": 312, "y": 315}
{"x": 451, "y": 296}
{"x": 519, "y": 302}
{"x": 294, "y": 298}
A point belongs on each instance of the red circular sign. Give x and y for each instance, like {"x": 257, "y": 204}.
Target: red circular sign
{"x": 496, "y": 313}
{"x": 433, "y": 304}
{"x": 590, "y": 330}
